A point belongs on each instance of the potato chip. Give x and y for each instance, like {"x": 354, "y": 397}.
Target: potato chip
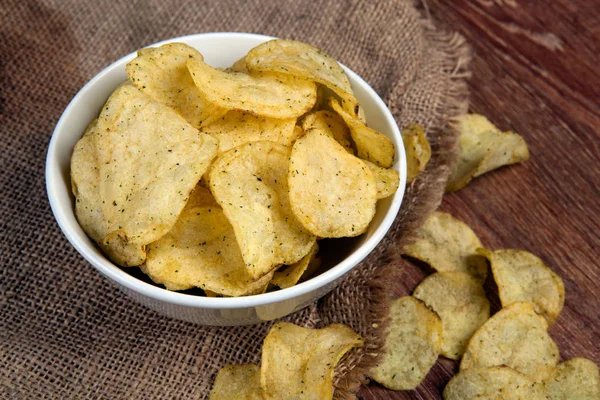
{"x": 516, "y": 337}
{"x": 302, "y": 60}
{"x": 240, "y": 66}
{"x": 266, "y": 95}
{"x": 236, "y": 128}
{"x": 250, "y": 183}
{"x": 493, "y": 383}
{"x": 289, "y": 275}
{"x": 412, "y": 345}
{"x": 332, "y": 193}
{"x": 482, "y": 148}
{"x": 330, "y": 123}
{"x": 162, "y": 74}
{"x": 239, "y": 382}
{"x": 448, "y": 244}
{"x": 460, "y": 302}
{"x": 418, "y": 151}
{"x": 386, "y": 180}
{"x": 370, "y": 144}
{"x": 201, "y": 251}
{"x": 575, "y": 379}
{"x": 521, "y": 276}
{"x": 298, "y": 363}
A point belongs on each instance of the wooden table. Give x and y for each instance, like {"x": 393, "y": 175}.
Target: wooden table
{"x": 536, "y": 70}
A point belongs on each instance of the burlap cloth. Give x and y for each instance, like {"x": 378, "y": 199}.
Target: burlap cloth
{"x": 65, "y": 332}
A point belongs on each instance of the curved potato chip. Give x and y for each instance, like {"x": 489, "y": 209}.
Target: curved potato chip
{"x": 386, "y": 180}
{"x": 412, "y": 345}
{"x": 240, "y": 382}
{"x": 250, "y": 183}
{"x": 493, "y": 383}
{"x": 266, "y": 95}
{"x": 302, "y": 60}
{"x": 298, "y": 363}
{"x": 521, "y": 276}
{"x": 370, "y": 144}
{"x": 418, "y": 151}
{"x": 575, "y": 379}
{"x": 482, "y": 148}
{"x": 201, "y": 251}
{"x": 516, "y": 337}
{"x": 460, "y": 302}
{"x": 332, "y": 193}
{"x": 162, "y": 74}
{"x": 240, "y": 66}
{"x": 448, "y": 244}
{"x": 330, "y": 123}
{"x": 236, "y": 128}
{"x": 289, "y": 275}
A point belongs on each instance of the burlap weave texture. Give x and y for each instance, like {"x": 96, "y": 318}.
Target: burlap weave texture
{"x": 65, "y": 332}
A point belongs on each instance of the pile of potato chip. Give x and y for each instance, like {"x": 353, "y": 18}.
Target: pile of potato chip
{"x": 297, "y": 363}
{"x": 226, "y": 179}
{"x": 509, "y": 355}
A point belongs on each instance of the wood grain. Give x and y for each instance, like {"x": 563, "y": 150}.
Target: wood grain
{"x": 536, "y": 70}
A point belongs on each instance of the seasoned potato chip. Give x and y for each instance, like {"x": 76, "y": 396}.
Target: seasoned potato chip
{"x": 289, "y": 275}
{"x": 493, "y": 383}
{"x": 298, "y": 363}
{"x": 370, "y": 144}
{"x": 482, "y": 148}
{"x": 521, "y": 276}
{"x": 448, "y": 244}
{"x": 332, "y": 193}
{"x": 330, "y": 123}
{"x": 302, "y": 60}
{"x": 201, "y": 251}
{"x": 386, "y": 180}
{"x": 575, "y": 379}
{"x": 162, "y": 74}
{"x": 412, "y": 345}
{"x": 516, "y": 337}
{"x": 236, "y": 128}
{"x": 418, "y": 151}
{"x": 250, "y": 183}
{"x": 239, "y": 66}
{"x": 266, "y": 95}
{"x": 147, "y": 159}
{"x": 240, "y": 382}
{"x": 460, "y": 302}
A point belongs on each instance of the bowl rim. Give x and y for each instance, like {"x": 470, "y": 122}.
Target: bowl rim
{"x": 116, "y": 274}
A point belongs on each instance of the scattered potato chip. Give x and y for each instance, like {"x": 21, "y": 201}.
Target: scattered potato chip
{"x": 239, "y": 66}
{"x": 460, "y": 301}
{"x": 330, "y": 123}
{"x": 418, "y": 151}
{"x": 521, "y": 276}
{"x": 302, "y": 60}
{"x": 448, "y": 244}
{"x": 332, "y": 193}
{"x": 289, "y": 275}
{"x": 266, "y": 95}
{"x": 386, "y": 180}
{"x": 201, "y": 251}
{"x": 575, "y": 379}
{"x": 162, "y": 74}
{"x": 482, "y": 148}
{"x": 370, "y": 144}
{"x": 236, "y": 128}
{"x": 516, "y": 337}
{"x": 250, "y": 183}
{"x": 239, "y": 382}
{"x": 298, "y": 363}
{"x": 412, "y": 345}
{"x": 493, "y": 383}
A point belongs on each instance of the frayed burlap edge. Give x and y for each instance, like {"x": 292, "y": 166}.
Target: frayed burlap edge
{"x": 422, "y": 197}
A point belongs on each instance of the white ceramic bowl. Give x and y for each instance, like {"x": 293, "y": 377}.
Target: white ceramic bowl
{"x": 219, "y": 50}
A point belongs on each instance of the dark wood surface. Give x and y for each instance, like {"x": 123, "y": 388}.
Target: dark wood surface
{"x": 536, "y": 70}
